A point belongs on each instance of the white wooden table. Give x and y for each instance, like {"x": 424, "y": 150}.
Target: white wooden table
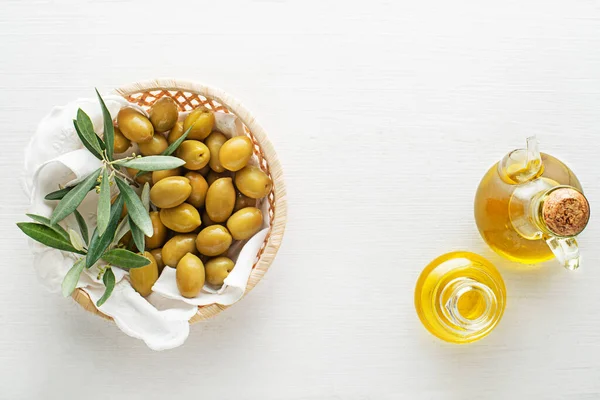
{"x": 385, "y": 114}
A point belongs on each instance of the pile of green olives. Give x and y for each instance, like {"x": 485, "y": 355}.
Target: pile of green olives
{"x": 198, "y": 210}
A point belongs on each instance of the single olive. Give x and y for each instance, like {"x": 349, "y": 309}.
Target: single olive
{"x": 235, "y": 153}
{"x": 160, "y": 232}
{"x": 163, "y": 114}
{"x": 242, "y": 201}
{"x": 217, "y": 269}
{"x": 253, "y": 182}
{"x": 214, "y": 141}
{"x": 184, "y": 218}
{"x": 213, "y": 176}
{"x": 142, "y": 179}
{"x": 195, "y": 154}
{"x": 245, "y": 223}
{"x": 190, "y": 275}
{"x": 156, "y": 145}
{"x": 177, "y": 247}
{"x": 206, "y": 221}
{"x": 175, "y": 133}
{"x": 213, "y": 240}
{"x": 134, "y": 125}
{"x": 220, "y": 199}
{"x": 121, "y": 143}
{"x": 157, "y": 254}
{"x": 143, "y": 278}
{"x": 165, "y": 173}
{"x": 170, "y": 192}
{"x": 199, "y": 188}
{"x": 202, "y": 120}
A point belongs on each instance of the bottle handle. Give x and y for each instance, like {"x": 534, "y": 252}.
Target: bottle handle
{"x": 565, "y": 250}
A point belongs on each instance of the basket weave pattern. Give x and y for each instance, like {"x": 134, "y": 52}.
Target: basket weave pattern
{"x": 188, "y": 96}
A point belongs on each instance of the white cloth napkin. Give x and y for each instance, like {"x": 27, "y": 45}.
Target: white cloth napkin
{"x": 54, "y": 156}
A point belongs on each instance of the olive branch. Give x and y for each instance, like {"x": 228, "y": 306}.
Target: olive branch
{"x": 103, "y": 243}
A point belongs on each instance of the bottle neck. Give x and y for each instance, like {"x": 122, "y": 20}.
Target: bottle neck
{"x": 468, "y": 306}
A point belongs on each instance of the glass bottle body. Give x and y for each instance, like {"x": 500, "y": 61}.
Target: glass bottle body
{"x": 500, "y": 206}
{"x": 460, "y": 297}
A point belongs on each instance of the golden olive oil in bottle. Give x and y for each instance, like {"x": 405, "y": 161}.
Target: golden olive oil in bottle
{"x": 460, "y": 297}
{"x": 530, "y": 206}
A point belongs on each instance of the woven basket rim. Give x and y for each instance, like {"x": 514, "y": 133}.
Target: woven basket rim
{"x": 279, "y": 204}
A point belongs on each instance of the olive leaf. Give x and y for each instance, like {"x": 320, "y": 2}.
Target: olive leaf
{"x": 48, "y": 236}
{"x": 70, "y": 202}
{"x": 58, "y": 194}
{"x": 82, "y": 227}
{"x": 145, "y": 196}
{"x": 138, "y": 236}
{"x": 125, "y": 259}
{"x": 70, "y": 280}
{"x": 109, "y": 129}
{"x": 99, "y": 244}
{"x": 86, "y": 142}
{"x": 173, "y": 146}
{"x": 152, "y": 163}
{"x": 109, "y": 282}
{"x": 122, "y": 229}
{"x": 45, "y": 221}
{"x": 103, "y": 213}
{"x": 86, "y": 128}
{"x": 135, "y": 208}
{"x": 76, "y": 240}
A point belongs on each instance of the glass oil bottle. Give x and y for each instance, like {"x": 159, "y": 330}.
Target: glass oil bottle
{"x": 460, "y": 297}
{"x": 530, "y": 206}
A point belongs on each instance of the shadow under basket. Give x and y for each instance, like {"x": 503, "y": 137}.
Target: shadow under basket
{"x": 189, "y": 95}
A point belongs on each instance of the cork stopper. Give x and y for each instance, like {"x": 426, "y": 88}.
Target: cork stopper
{"x": 566, "y": 212}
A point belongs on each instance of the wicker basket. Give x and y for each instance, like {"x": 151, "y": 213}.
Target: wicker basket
{"x": 189, "y": 95}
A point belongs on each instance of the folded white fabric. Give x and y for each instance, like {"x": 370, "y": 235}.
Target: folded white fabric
{"x": 55, "y": 156}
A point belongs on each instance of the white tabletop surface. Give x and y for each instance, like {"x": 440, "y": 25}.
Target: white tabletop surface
{"x": 384, "y": 114}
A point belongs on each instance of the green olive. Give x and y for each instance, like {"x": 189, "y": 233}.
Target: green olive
{"x": 184, "y": 218}
{"x": 177, "y": 247}
{"x": 170, "y": 192}
{"x": 220, "y": 200}
{"x": 214, "y": 141}
{"x": 175, "y": 133}
{"x": 242, "y": 201}
{"x": 206, "y": 221}
{"x": 143, "y": 278}
{"x": 157, "y": 254}
{"x": 121, "y": 143}
{"x": 245, "y": 223}
{"x": 142, "y": 179}
{"x": 213, "y": 240}
{"x": 156, "y": 145}
{"x": 217, "y": 269}
{"x": 160, "y": 232}
{"x": 165, "y": 173}
{"x": 195, "y": 154}
{"x": 199, "y": 188}
{"x": 253, "y": 182}
{"x": 236, "y": 153}
{"x": 163, "y": 114}
{"x": 134, "y": 125}
{"x": 190, "y": 275}
{"x": 213, "y": 176}
{"x": 202, "y": 120}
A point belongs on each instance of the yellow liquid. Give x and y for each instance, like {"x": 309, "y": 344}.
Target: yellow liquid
{"x": 492, "y": 213}
{"x": 434, "y": 291}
